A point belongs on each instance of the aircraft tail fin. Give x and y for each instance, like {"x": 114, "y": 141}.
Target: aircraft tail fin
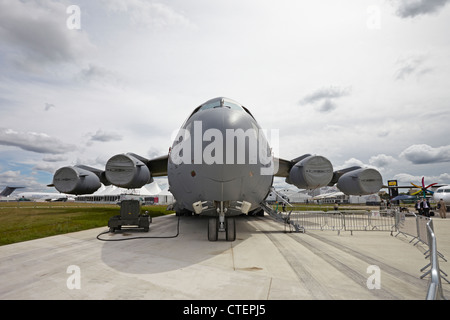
{"x": 8, "y": 190}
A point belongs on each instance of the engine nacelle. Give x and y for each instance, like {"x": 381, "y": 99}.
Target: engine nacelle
{"x": 360, "y": 182}
{"x": 74, "y": 180}
{"x": 124, "y": 170}
{"x": 311, "y": 172}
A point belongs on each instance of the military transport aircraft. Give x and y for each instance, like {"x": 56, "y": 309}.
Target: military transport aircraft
{"x": 220, "y": 165}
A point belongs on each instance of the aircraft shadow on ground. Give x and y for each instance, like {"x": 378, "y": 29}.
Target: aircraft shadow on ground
{"x": 147, "y": 255}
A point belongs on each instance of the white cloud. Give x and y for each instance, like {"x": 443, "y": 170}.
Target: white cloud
{"x": 327, "y": 106}
{"x": 54, "y": 158}
{"x": 46, "y": 167}
{"x": 325, "y": 98}
{"x": 352, "y": 162}
{"x": 9, "y": 175}
{"x": 416, "y": 64}
{"x": 34, "y": 142}
{"x": 48, "y": 106}
{"x": 425, "y": 154}
{"x": 326, "y": 93}
{"x": 98, "y": 74}
{"x": 20, "y": 179}
{"x": 443, "y": 178}
{"x": 34, "y": 35}
{"x": 405, "y": 179}
{"x": 149, "y": 14}
{"x": 104, "y": 136}
{"x": 382, "y": 160}
{"x": 412, "y": 8}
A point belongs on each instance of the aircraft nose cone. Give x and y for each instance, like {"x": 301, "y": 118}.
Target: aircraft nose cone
{"x": 221, "y": 159}
{"x": 227, "y": 141}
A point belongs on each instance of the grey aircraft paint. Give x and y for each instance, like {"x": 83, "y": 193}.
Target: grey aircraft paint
{"x": 221, "y": 178}
{"x": 220, "y": 165}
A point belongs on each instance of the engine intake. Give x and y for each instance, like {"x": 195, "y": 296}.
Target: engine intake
{"x": 311, "y": 172}
{"x": 360, "y": 182}
{"x": 126, "y": 171}
{"x": 74, "y": 180}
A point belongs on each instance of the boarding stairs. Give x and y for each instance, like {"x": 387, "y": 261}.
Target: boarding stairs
{"x": 280, "y": 216}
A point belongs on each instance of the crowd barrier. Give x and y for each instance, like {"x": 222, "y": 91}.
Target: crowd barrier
{"x": 420, "y": 228}
{"x": 354, "y": 220}
{"x": 424, "y": 233}
{"x": 317, "y": 220}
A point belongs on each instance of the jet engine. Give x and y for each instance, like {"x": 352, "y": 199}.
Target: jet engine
{"x": 360, "y": 182}
{"x": 127, "y": 171}
{"x": 75, "y": 180}
{"x": 311, "y": 172}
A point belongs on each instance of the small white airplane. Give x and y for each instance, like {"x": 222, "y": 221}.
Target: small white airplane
{"x": 443, "y": 193}
{"x": 44, "y": 196}
{"x": 34, "y": 196}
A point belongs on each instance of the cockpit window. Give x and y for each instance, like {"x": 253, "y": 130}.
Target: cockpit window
{"x": 220, "y": 103}
{"x": 210, "y": 105}
{"x": 232, "y": 106}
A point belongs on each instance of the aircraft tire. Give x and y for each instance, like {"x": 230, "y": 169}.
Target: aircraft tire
{"x": 230, "y": 229}
{"x": 213, "y": 229}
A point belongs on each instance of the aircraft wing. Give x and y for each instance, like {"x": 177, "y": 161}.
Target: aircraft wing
{"x": 284, "y": 166}
{"x": 158, "y": 166}
{"x": 312, "y": 172}
{"x": 129, "y": 171}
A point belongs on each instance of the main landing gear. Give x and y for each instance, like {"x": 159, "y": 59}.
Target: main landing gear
{"x": 221, "y": 224}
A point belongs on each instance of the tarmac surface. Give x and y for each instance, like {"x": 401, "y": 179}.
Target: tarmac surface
{"x": 263, "y": 263}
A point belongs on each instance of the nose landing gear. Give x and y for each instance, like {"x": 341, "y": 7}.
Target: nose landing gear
{"x": 221, "y": 224}
{"x": 229, "y": 227}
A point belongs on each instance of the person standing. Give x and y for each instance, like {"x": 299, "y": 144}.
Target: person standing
{"x": 425, "y": 205}
{"x": 419, "y": 207}
{"x": 442, "y": 209}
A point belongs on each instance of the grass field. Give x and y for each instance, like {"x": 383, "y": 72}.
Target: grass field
{"x": 22, "y": 221}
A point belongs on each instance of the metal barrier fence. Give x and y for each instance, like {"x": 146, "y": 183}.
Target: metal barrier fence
{"x": 355, "y": 220}
{"x": 420, "y": 228}
{"x": 415, "y": 226}
{"x": 435, "y": 287}
{"x": 317, "y": 220}
{"x": 407, "y": 225}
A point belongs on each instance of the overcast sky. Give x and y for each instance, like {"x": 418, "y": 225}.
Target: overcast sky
{"x": 359, "y": 82}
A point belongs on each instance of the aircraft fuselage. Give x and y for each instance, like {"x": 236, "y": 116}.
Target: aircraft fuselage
{"x": 221, "y": 159}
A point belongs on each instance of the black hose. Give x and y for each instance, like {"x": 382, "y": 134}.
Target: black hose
{"x": 147, "y": 237}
